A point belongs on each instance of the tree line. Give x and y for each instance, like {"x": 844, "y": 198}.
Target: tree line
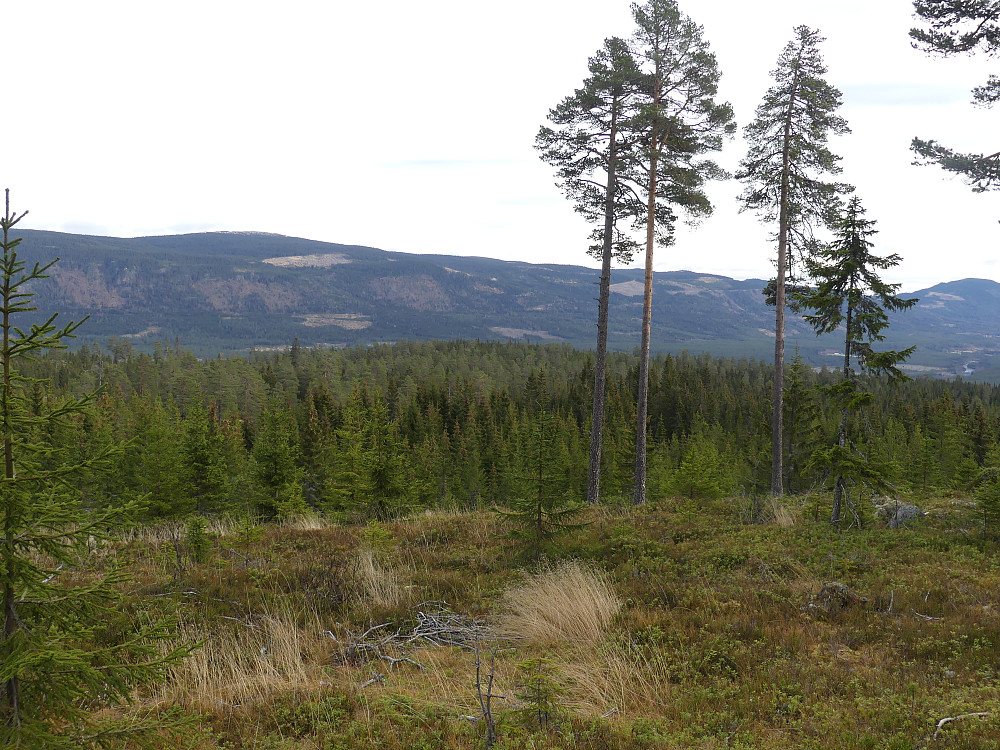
{"x": 372, "y": 432}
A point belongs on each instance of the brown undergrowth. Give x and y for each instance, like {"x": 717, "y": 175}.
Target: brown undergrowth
{"x": 664, "y": 626}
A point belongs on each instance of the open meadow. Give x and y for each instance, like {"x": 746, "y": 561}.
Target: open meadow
{"x": 674, "y": 625}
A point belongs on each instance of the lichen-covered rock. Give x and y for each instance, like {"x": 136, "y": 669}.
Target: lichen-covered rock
{"x": 896, "y": 514}
{"x": 835, "y": 597}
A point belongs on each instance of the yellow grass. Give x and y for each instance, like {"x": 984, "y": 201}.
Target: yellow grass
{"x": 304, "y": 523}
{"x": 244, "y": 663}
{"x": 616, "y": 676}
{"x": 784, "y": 516}
{"x": 379, "y": 586}
{"x": 566, "y": 602}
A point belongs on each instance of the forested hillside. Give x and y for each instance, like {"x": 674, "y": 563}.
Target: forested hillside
{"x": 370, "y": 432}
{"x": 229, "y": 292}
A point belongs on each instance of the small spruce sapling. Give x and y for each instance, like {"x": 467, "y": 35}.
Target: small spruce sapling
{"x": 545, "y": 507}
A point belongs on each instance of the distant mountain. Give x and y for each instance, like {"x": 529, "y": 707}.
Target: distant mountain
{"x": 223, "y": 292}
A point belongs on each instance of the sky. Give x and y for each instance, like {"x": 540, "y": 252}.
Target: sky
{"x": 410, "y": 126}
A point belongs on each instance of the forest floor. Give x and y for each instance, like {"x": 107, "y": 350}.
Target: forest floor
{"x": 672, "y": 625}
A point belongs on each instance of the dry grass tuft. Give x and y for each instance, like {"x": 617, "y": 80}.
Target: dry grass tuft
{"x": 617, "y": 676}
{"x": 566, "y": 602}
{"x": 304, "y": 523}
{"x": 244, "y": 665}
{"x": 784, "y": 516}
{"x": 379, "y": 585}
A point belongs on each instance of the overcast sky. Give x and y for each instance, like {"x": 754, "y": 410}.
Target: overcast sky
{"x": 410, "y": 126}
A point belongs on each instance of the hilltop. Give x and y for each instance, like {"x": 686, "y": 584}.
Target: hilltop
{"x": 225, "y": 292}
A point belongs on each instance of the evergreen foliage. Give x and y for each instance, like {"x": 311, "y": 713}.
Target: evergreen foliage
{"x": 680, "y": 121}
{"x": 461, "y": 416}
{"x": 850, "y": 294}
{"x": 592, "y": 138}
{"x": 544, "y": 503}
{"x": 783, "y": 175}
{"x": 56, "y": 654}
{"x": 961, "y": 27}
{"x": 701, "y": 473}
{"x": 988, "y": 492}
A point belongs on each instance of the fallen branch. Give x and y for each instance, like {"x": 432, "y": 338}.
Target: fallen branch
{"x": 375, "y": 678}
{"x": 393, "y": 661}
{"x": 949, "y": 719}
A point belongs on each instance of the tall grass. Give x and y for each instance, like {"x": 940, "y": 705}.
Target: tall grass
{"x": 566, "y": 602}
{"x": 244, "y": 664}
{"x": 379, "y": 586}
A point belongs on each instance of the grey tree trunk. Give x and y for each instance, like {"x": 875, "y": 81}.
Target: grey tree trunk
{"x": 600, "y": 360}
{"x": 777, "y": 432}
{"x": 639, "y": 492}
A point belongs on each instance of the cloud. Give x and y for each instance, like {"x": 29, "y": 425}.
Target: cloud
{"x": 444, "y": 163}
{"x": 902, "y": 95}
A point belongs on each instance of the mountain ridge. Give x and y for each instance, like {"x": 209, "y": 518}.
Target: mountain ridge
{"x": 227, "y": 292}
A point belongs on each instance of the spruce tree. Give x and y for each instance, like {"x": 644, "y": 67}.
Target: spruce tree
{"x": 783, "y": 175}
{"x": 850, "y": 294}
{"x": 275, "y": 461}
{"x": 58, "y": 656}
{"x": 802, "y": 422}
{"x": 543, "y": 505}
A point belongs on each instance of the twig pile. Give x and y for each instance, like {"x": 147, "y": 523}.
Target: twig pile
{"x": 436, "y": 624}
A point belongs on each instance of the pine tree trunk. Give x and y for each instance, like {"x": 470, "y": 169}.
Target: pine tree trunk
{"x": 777, "y": 434}
{"x": 600, "y": 364}
{"x": 639, "y": 493}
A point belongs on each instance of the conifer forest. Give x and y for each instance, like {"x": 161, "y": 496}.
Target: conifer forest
{"x": 497, "y": 544}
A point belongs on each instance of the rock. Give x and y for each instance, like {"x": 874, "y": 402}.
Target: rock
{"x": 897, "y": 514}
{"x": 834, "y": 597}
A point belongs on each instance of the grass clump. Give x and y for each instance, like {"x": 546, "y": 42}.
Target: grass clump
{"x": 569, "y": 601}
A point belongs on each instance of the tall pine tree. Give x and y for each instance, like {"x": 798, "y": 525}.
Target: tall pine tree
{"x": 589, "y": 142}
{"x": 680, "y": 121}
{"x": 783, "y": 175}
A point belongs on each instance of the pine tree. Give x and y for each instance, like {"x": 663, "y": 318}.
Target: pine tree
{"x": 782, "y": 173}
{"x": 590, "y": 140}
{"x": 961, "y": 27}
{"x": 57, "y": 658}
{"x": 680, "y": 121}
{"x": 850, "y": 294}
